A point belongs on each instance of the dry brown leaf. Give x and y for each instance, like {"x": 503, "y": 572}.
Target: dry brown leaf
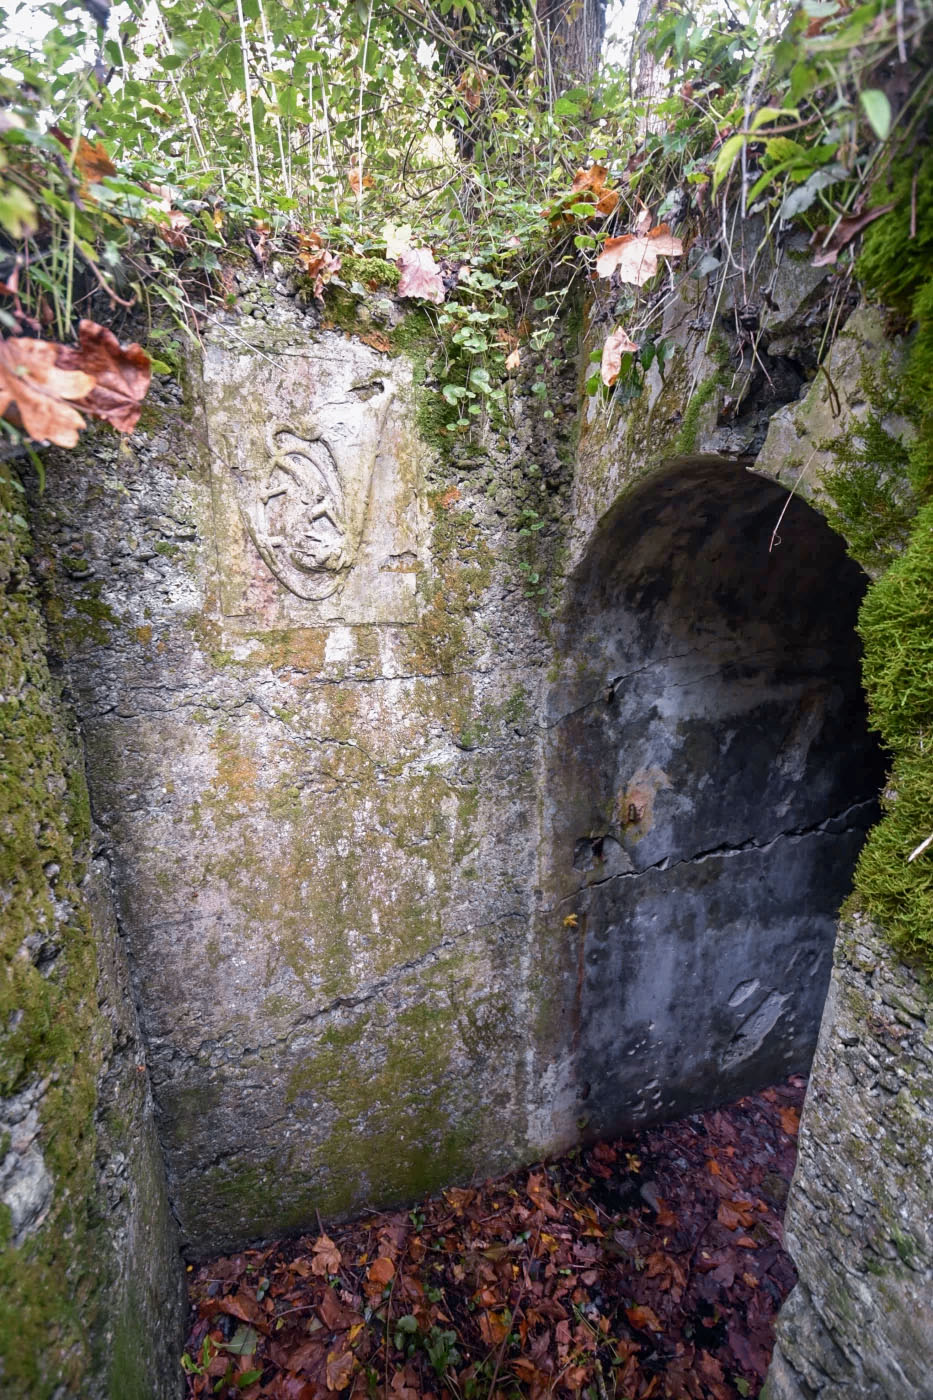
{"x": 643, "y": 1319}
{"x": 339, "y": 1369}
{"x": 380, "y": 1273}
{"x": 91, "y": 159}
{"x": 586, "y": 184}
{"x": 172, "y": 233}
{"x": 325, "y": 1259}
{"x": 494, "y": 1327}
{"x": 733, "y": 1214}
{"x": 790, "y": 1121}
{"x": 845, "y": 231}
{"x": 120, "y": 375}
{"x": 421, "y": 276}
{"x": 470, "y": 88}
{"x": 635, "y": 256}
{"x": 617, "y": 344}
{"x": 593, "y": 179}
{"x": 317, "y": 261}
{"x": 34, "y": 388}
{"x": 513, "y": 360}
{"x": 378, "y": 341}
{"x": 354, "y": 180}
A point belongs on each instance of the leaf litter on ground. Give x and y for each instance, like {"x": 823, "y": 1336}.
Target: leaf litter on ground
{"x": 651, "y": 1266}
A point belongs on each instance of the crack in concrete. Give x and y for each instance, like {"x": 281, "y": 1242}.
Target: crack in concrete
{"x": 608, "y": 691}
{"x": 724, "y": 852}
{"x": 370, "y": 993}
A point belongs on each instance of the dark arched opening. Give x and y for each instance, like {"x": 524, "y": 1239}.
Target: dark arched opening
{"x": 711, "y": 780}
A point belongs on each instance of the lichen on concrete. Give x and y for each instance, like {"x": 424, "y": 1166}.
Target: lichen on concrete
{"x": 71, "y": 1257}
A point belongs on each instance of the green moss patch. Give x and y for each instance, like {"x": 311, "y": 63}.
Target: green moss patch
{"x": 50, "y": 1285}
{"x": 896, "y": 625}
{"x": 883, "y": 502}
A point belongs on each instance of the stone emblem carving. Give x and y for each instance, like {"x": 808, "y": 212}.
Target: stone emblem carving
{"x": 316, "y": 486}
{"x": 295, "y": 514}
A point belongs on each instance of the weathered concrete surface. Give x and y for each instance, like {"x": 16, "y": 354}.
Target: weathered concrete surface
{"x": 859, "y": 1324}
{"x": 708, "y": 784}
{"x": 91, "y": 1290}
{"x": 307, "y": 676}
{"x": 798, "y": 447}
{"x": 332, "y": 747}
{"x": 731, "y": 368}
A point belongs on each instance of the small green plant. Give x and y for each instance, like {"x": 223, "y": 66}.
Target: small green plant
{"x": 198, "y": 1366}
{"x": 438, "y": 1344}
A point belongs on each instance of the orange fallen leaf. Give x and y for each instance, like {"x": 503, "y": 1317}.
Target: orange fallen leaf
{"x": 34, "y": 389}
{"x": 635, "y": 256}
{"x": 470, "y": 88}
{"x": 326, "y": 1257}
{"x": 121, "y": 375}
{"x": 91, "y": 159}
{"x": 356, "y": 183}
{"x": 790, "y": 1121}
{"x": 643, "y": 1318}
{"x": 494, "y": 1327}
{"x": 377, "y": 341}
{"x": 173, "y": 233}
{"x": 732, "y": 1214}
{"x": 317, "y": 261}
{"x": 513, "y": 360}
{"x": 339, "y": 1369}
{"x": 380, "y": 1273}
{"x": 593, "y": 179}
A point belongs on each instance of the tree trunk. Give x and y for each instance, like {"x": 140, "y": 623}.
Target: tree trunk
{"x": 569, "y": 37}
{"x": 648, "y": 77}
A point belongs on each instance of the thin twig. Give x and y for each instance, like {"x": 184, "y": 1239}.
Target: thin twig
{"x": 359, "y": 121}
{"x": 249, "y": 101}
{"x": 775, "y": 537}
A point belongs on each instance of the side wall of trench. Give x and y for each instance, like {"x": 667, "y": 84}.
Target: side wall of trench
{"x": 91, "y": 1286}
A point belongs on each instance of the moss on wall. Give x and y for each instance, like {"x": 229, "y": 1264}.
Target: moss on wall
{"x": 882, "y": 501}
{"x": 896, "y": 625}
{"x": 48, "y": 1004}
{"x": 61, "y": 1295}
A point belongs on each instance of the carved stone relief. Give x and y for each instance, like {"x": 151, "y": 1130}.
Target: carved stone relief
{"x": 316, "y": 485}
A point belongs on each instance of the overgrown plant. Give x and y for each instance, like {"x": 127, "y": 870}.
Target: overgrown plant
{"x": 138, "y": 158}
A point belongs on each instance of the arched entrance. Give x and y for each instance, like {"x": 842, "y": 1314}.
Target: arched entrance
{"x": 711, "y": 779}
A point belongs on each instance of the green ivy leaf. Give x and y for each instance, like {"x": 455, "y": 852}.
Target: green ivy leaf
{"x": 17, "y": 212}
{"x": 877, "y": 109}
{"x": 726, "y": 158}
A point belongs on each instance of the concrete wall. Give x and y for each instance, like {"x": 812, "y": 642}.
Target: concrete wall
{"x": 325, "y": 697}
{"x": 91, "y": 1292}
{"x": 308, "y": 678}
{"x": 859, "y": 1322}
{"x": 709, "y": 781}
